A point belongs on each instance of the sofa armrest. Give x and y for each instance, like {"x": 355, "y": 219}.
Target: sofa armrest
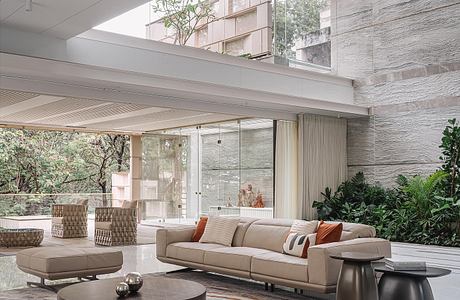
{"x": 166, "y": 236}
{"x": 324, "y": 270}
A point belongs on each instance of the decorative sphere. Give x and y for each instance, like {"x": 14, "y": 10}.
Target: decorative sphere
{"x": 122, "y": 289}
{"x": 134, "y": 281}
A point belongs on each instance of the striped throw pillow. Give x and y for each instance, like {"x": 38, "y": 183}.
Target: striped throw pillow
{"x": 220, "y": 230}
{"x": 297, "y": 244}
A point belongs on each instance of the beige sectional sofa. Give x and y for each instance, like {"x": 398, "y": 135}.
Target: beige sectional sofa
{"x": 257, "y": 253}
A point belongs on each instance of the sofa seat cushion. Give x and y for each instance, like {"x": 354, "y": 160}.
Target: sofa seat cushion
{"x": 236, "y": 258}
{"x": 280, "y": 265}
{"x": 189, "y": 251}
{"x": 103, "y": 225}
{"x": 57, "y": 220}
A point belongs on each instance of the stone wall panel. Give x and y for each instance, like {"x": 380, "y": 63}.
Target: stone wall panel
{"x": 411, "y": 136}
{"x": 420, "y": 39}
{"x": 410, "y": 90}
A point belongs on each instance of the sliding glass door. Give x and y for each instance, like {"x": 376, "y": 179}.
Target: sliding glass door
{"x": 214, "y": 169}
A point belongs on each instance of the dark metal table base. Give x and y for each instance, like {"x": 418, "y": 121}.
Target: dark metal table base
{"x": 357, "y": 281}
{"x": 398, "y": 287}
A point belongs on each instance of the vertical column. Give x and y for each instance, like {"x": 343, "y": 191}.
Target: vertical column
{"x": 135, "y": 166}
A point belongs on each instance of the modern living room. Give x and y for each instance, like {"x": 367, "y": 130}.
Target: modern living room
{"x": 285, "y": 149}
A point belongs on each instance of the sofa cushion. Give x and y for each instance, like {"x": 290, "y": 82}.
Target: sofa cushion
{"x": 267, "y": 234}
{"x": 241, "y": 231}
{"x": 65, "y": 259}
{"x": 57, "y": 220}
{"x": 199, "y": 229}
{"x": 280, "y": 265}
{"x": 220, "y": 230}
{"x": 82, "y": 202}
{"x": 328, "y": 233}
{"x": 103, "y": 225}
{"x": 189, "y": 251}
{"x": 348, "y": 235}
{"x": 359, "y": 230}
{"x": 236, "y": 258}
{"x": 304, "y": 227}
{"x": 297, "y": 244}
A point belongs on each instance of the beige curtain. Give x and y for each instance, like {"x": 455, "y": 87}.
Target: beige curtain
{"x": 286, "y": 199}
{"x": 322, "y": 158}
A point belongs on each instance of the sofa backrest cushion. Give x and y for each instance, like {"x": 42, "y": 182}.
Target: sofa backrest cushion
{"x": 241, "y": 230}
{"x": 358, "y": 230}
{"x": 269, "y": 234}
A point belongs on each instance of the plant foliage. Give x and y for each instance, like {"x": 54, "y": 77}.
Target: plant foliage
{"x": 183, "y": 16}
{"x": 450, "y": 145}
{"x": 417, "y": 210}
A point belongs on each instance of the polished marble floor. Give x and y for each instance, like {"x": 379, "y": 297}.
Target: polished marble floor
{"x": 141, "y": 258}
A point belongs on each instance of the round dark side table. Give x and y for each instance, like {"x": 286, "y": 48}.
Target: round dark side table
{"x": 407, "y": 285}
{"x": 356, "y": 279}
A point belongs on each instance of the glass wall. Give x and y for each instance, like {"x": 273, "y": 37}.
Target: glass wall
{"x": 215, "y": 169}
{"x": 302, "y": 32}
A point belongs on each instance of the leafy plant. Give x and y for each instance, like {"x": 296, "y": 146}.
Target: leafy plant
{"x": 183, "y": 16}
{"x": 417, "y": 210}
{"x": 450, "y": 145}
{"x": 420, "y": 192}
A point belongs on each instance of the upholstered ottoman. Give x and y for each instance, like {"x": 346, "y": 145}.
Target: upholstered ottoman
{"x": 62, "y": 262}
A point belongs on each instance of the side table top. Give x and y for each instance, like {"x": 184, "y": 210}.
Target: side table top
{"x": 153, "y": 288}
{"x": 429, "y": 272}
{"x": 357, "y": 256}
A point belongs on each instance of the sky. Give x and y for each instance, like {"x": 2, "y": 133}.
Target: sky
{"x": 131, "y": 23}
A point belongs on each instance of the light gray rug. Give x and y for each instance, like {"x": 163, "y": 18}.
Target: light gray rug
{"x": 218, "y": 288}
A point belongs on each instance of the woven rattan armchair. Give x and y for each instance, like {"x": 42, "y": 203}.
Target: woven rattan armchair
{"x": 69, "y": 220}
{"x": 115, "y": 226}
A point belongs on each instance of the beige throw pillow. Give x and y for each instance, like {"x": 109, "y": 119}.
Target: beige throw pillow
{"x": 129, "y": 204}
{"x": 220, "y": 230}
{"x": 82, "y": 202}
{"x": 304, "y": 227}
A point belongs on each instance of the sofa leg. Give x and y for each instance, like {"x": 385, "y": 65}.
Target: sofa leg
{"x": 88, "y": 278}
{"x": 180, "y": 270}
{"x": 272, "y": 287}
{"x": 42, "y": 285}
{"x": 266, "y": 286}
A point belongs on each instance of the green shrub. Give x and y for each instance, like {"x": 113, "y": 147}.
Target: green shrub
{"x": 415, "y": 211}
{"x": 418, "y": 210}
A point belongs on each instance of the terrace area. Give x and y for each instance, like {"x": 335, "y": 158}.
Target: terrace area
{"x": 244, "y": 146}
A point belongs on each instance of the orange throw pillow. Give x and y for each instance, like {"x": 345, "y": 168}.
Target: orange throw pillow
{"x": 328, "y": 233}
{"x": 199, "y": 229}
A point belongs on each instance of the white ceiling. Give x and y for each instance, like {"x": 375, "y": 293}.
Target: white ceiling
{"x": 45, "y": 111}
{"x": 62, "y": 18}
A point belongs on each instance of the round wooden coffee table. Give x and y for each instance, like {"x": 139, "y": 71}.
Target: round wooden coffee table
{"x": 154, "y": 288}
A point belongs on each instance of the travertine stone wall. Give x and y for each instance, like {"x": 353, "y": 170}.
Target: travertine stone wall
{"x": 405, "y": 59}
